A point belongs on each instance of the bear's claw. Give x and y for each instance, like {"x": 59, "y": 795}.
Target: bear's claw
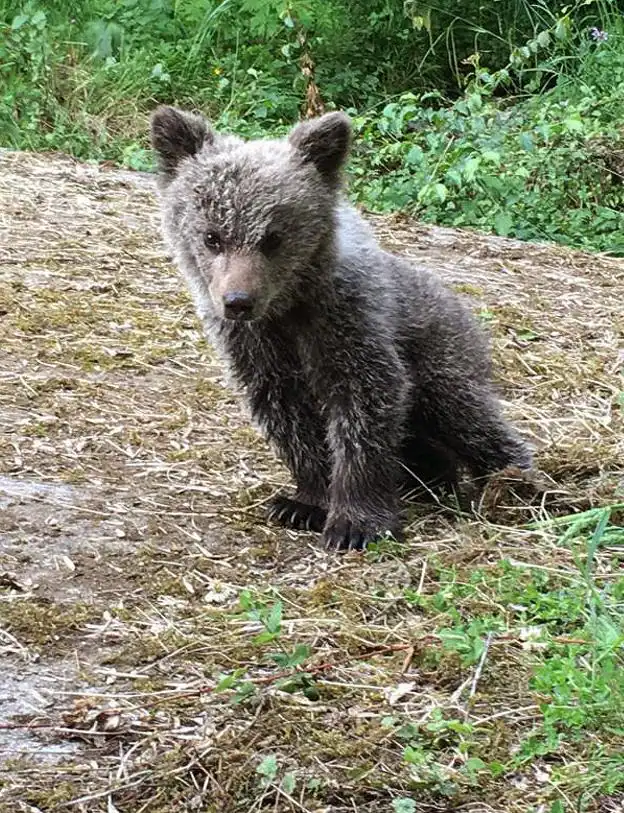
{"x": 295, "y": 514}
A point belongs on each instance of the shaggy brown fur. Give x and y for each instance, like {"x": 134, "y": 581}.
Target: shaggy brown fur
{"x": 363, "y": 370}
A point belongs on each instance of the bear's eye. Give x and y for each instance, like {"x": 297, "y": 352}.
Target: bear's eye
{"x": 212, "y": 239}
{"x": 271, "y": 242}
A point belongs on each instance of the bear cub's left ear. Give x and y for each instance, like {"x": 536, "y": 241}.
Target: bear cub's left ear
{"x": 176, "y": 134}
{"x": 325, "y": 141}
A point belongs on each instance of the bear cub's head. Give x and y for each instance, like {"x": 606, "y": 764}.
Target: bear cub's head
{"x": 249, "y": 219}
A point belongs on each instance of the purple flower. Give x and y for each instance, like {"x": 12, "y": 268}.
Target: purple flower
{"x": 599, "y": 36}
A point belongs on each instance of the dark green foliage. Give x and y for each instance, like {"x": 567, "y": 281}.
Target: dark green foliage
{"x": 500, "y": 116}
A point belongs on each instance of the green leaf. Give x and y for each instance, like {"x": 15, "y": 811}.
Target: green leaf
{"x": 407, "y": 732}
{"x": 295, "y": 658}
{"x": 609, "y": 634}
{"x": 471, "y": 168}
{"x": 501, "y": 76}
{"x": 596, "y": 539}
{"x": 274, "y": 621}
{"x": 492, "y": 156}
{"x": 497, "y": 768}
{"x": 280, "y": 658}
{"x": 414, "y": 156}
{"x": 419, "y": 14}
{"x": 527, "y": 335}
{"x": 503, "y": 223}
{"x": 414, "y": 756}
{"x": 573, "y": 124}
{"x": 300, "y": 654}
{"x": 288, "y": 685}
{"x": 562, "y": 28}
{"x": 19, "y": 21}
{"x": 229, "y": 681}
{"x": 289, "y": 783}
{"x": 475, "y": 102}
{"x": 474, "y": 765}
{"x": 245, "y": 600}
{"x": 243, "y": 691}
{"x": 265, "y": 637}
{"x": 158, "y": 72}
{"x": 38, "y": 19}
{"x": 441, "y": 192}
{"x": 454, "y": 176}
{"x": 557, "y": 807}
{"x": 268, "y": 767}
{"x": 404, "y": 805}
{"x": 543, "y": 38}
{"x": 225, "y": 683}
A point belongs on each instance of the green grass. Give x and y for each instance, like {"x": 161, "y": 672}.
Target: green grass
{"x": 537, "y": 652}
{"x": 561, "y": 632}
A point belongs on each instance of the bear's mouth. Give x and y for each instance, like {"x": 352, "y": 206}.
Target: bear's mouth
{"x": 239, "y": 317}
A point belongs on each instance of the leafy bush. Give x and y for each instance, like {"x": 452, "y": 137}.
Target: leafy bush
{"x": 548, "y": 167}
{"x": 504, "y": 116}
{"x": 544, "y": 170}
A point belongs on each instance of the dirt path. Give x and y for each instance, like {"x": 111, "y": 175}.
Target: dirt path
{"x": 131, "y": 493}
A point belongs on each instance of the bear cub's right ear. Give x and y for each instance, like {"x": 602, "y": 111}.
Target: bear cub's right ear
{"x": 176, "y": 134}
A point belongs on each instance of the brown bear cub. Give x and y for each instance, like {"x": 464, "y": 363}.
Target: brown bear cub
{"x": 363, "y": 370}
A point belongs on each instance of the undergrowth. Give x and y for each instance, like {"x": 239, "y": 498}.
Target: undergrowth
{"x": 505, "y": 118}
{"x": 549, "y": 167}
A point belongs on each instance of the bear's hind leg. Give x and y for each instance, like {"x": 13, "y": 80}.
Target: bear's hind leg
{"x": 469, "y": 421}
{"x": 428, "y": 465}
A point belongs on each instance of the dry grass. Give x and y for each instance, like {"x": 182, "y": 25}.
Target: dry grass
{"x": 132, "y": 496}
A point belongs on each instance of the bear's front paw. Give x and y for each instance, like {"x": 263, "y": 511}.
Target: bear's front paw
{"x": 296, "y": 514}
{"x": 341, "y": 534}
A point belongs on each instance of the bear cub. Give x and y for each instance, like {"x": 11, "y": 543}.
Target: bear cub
{"x": 365, "y": 372}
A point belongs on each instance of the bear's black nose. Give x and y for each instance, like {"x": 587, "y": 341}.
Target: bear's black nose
{"x": 238, "y": 305}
